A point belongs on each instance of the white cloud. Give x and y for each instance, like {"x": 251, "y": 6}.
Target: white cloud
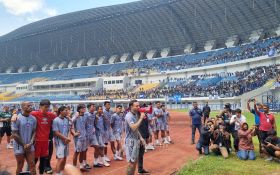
{"x": 29, "y": 10}
{"x": 50, "y": 12}
{"x": 22, "y": 7}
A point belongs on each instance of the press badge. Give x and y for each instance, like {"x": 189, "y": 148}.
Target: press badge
{"x": 267, "y": 120}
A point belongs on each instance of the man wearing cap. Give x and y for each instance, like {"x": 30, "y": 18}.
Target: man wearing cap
{"x": 44, "y": 123}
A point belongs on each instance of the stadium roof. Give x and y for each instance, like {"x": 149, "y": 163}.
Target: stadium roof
{"x": 132, "y": 27}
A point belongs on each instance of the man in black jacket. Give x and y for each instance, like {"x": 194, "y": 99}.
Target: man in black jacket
{"x": 144, "y": 131}
{"x": 206, "y": 112}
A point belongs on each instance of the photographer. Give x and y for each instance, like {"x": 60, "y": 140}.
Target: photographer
{"x": 221, "y": 141}
{"x": 257, "y": 119}
{"x": 271, "y": 145}
{"x": 226, "y": 115}
{"x": 205, "y": 137}
{"x": 236, "y": 120}
{"x": 246, "y": 145}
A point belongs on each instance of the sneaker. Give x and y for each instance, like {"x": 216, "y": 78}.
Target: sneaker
{"x": 9, "y": 146}
{"x": 143, "y": 172}
{"x": 106, "y": 164}
{"x": 166, "y": 142}
{"x": 269, "y": 159}
{"x": 98, "y": 165}
{"x": 87, "y": 166}
{"x": 48, "y": 170}
{"x": 107, "y": 159}
{"x": 116, "y": 157}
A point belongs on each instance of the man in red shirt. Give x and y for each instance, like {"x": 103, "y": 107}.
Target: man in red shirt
{"x": 267, "y": 121}
{"x": 44, "y": 123}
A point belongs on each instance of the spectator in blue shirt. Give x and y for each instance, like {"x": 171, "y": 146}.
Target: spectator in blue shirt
{"x": 195, "y": 115}
{"x": 257, "y": 120}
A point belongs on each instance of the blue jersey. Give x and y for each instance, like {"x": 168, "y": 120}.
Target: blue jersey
{"x": 116, "y": 122}
{"x": 107, "y": 118}
{"x": 90, "y": 123}
{"x": 79, "y": 125}
{"x": 62, "y": 126}
{"x": 25, "y": 125}
{"x": 100, "y": 125}
{"x": 130, "y": 118}
{"x": 158, "y": 111}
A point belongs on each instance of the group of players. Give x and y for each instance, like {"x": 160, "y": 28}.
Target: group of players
{"x": 94, "y": 126}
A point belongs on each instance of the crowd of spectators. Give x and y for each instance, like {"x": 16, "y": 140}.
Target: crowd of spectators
{"x": 268, "y": 46}
{"x": 244, "y": 81}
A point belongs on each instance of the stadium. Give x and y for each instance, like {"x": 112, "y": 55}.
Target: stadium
{"x": 175, "y": 52}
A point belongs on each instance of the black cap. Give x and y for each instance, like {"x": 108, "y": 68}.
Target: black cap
{"x": 45, "y": 102}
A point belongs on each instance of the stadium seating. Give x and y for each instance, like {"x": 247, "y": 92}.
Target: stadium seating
{"x": 258, "y": 48}
{"x": 52, "y": 98}
{"x": 146, "y": 87}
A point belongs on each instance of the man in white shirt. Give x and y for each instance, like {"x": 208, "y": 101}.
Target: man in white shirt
{"x": 235, "y": 122}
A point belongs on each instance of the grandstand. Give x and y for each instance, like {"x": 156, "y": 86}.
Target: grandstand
{"x": 152, "y": 49}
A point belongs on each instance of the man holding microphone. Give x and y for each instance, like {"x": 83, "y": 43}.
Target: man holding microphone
{"x": 132, "y": 137}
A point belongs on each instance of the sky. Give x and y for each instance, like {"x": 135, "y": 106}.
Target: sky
{"x": 17, "y": 13}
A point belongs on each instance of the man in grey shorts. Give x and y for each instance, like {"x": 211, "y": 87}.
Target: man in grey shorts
{"x": 109, "y": 132}
{"x": 132, "y": 138}
{"x": 61, "y": 128}
{"x": 91, "y": 132}
{"x": 158, "y": 113}
{"x": 116, "y": 124}
{"x": 24, "y": 134}
{"x": 78, "y": 130}
{"x": 100, "y": 135}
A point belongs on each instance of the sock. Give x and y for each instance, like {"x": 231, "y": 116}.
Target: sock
{"x": 95, "y": 161}
{"x": 117, "y": 153}
{"x": 157, "y": 141}
{"x": 168, "y": 138}
{"x": 103, "y": 159}
{"x": 84, "y": 162}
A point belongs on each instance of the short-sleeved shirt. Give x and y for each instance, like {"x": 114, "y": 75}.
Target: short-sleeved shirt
{"x": 196, "y": 115}
{"x": 237, "y": 126}
{"x": 166, "y": 117}
{"x": 107, "y": 116}
{"x": 257, "y": 118}
{"x": 90, "y": 123}
{"x": 266, "y": 121}
{"x": 6, "y": 115}
{"x": 116, "y": 121}
{"x": 130, "y": 118}
{"x": 62, "y": 126}
{"x": 158, "y": 111}
{"x": 44, "y": 124}
{"x": 25, "y": 125}
{"x": 100, "y": 125}
{"x": 79, "y": 125}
